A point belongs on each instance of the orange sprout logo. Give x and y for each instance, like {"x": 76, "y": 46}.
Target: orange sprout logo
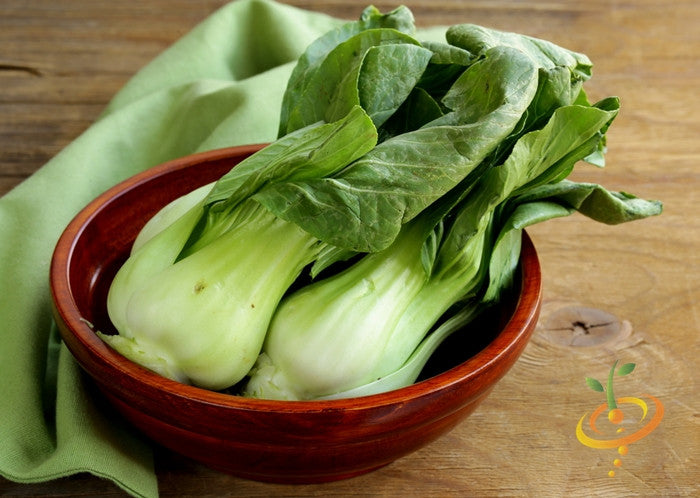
{"x": 613, "y": 433}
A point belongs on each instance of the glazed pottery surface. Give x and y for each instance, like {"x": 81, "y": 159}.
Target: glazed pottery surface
{"x": 277, "y": 441}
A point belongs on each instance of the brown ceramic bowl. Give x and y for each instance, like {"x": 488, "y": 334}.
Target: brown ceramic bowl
{"x": 277, "y": 441}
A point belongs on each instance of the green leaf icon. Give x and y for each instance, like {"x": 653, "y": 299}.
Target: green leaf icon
{"x": 594, "y": 384}
{"x": 626, "y": 369}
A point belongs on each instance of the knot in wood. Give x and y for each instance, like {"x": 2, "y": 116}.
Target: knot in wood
{"x": 579, "y": 326}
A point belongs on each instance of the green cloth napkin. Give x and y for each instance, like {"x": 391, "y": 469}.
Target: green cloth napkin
{"x": 220, "y": 85}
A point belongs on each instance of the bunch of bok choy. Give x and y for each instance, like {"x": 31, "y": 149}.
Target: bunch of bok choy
{"x": 417, "y": 163}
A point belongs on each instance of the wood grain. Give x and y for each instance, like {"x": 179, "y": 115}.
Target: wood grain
{"x": 60, "y": 62}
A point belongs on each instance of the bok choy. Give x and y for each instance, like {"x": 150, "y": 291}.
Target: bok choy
{"x": 384, "y": 306}
{"x": 417, "y": 163}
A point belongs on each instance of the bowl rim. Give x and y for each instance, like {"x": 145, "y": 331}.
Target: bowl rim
{"x": 508, "y": 341}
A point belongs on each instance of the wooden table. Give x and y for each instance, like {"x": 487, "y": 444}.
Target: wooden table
{"x": 628, "y": 293}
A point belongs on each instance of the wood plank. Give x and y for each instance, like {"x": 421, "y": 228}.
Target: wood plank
{"x": 62, "y": 61}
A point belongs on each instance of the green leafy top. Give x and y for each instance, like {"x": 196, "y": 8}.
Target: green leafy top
{"x": 376, "y": 126}
{"x": 596, "y": 385}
